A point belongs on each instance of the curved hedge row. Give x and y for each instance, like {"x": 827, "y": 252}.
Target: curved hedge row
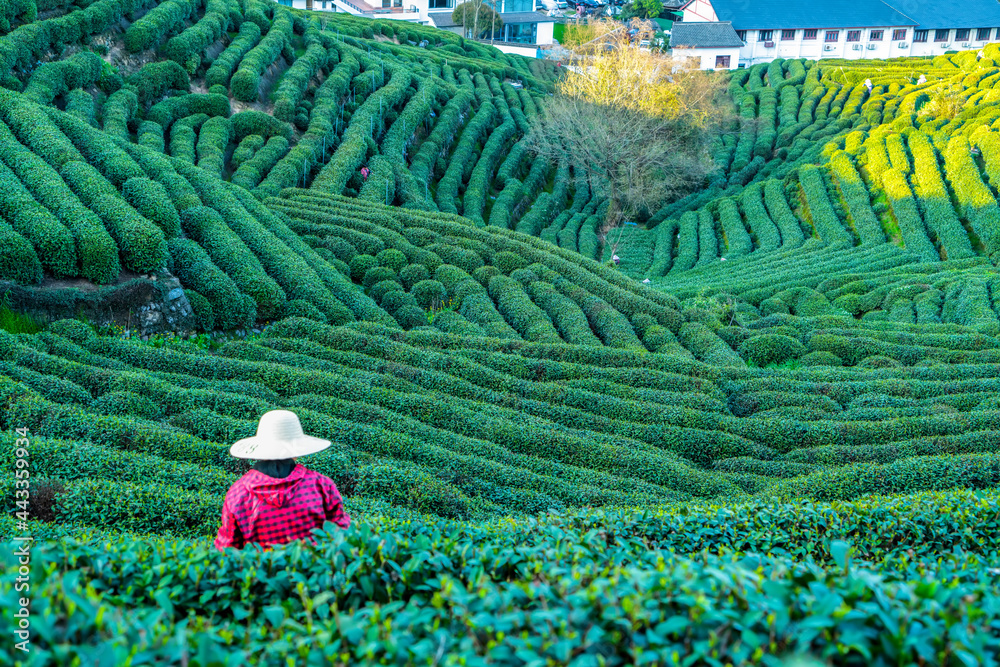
{"x": 52, "y": 241}
{"x": 192, "y": 265}
{"x": 94, "y": 246}
{"x": 938, "y": 212}
{"x": 53, "y": 79}
{"x": 245, "y": 84}
{"x": 249, "y": 174}
{"x": 229, "y": 253}
{"x": 294, "y": 82}
{"x": 461, "y": 158}
{"x": 225, "y": 64}
{"x": 975, "y": 200}
{"x": 157, "y": 23}
{"x": 186, "y": 49}
{"x": 474, "y": 198}
{"x": 520, "y": 312}
{"x": 213, "y": 138}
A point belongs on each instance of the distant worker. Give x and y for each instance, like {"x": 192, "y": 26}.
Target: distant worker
{"x": 921, "y": 80}
{"x": 616, "y": 259}
{"x": 364, "y": 173}
{"x": 868, "y": 85}
{"x": 278, "y": 501}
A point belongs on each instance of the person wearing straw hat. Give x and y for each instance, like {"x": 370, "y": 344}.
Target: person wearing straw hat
{"x": 278, "y": 500}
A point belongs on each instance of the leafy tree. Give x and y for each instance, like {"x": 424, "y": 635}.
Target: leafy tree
{"x": 643, "y": 9}
{"x": 477, "y": 18}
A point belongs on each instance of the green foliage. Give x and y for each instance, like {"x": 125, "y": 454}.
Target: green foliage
{"x": 152, "y": 201}
{"x": 57, "y": 78}
{"x": 192, "y": 265}
{"x": 428, "y": 293}
{"x": 156, "y": 24}
{"x": 225, "y": 64}
{"x": 246, "y": 81}
{"x": 472, "y": 375}
{"x": 154, "y": 80}
{"x": 770, "y": 349}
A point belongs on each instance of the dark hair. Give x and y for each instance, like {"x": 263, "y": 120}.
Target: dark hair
{"x": 278, "y": 469}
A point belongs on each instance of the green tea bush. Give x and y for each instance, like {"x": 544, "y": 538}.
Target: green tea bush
{"x": 126, "y": 404}
{"x": 95, "y": 248}
{"x": 226, "y": 62}
{"x": 154, "y": 80}
{"x": 192, "y": 265}
{"x": 428, "y": 293}
{"x": 156, "y": 24}
{"x": 152, "y": 201}
{"x": 229, "y": 253}
{"x": 54, "y": 79}
{"x": 245, "y": 83}
{"x": 54, "y": 245}
{"x": 203, "y": 314}
{"x": 186, "y": 48}
{"x": 770, "y": 349}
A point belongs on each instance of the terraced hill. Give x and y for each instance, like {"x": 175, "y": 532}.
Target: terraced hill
{"x": 546, "y": 458}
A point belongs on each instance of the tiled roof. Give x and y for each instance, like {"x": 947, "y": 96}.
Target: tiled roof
{"x": 791, "y": 14}
{"x": 942, "y": 14}
{"x": 513, "y": 18}
{"x": 704, "y": 35}
{"x": 441, "y": 19}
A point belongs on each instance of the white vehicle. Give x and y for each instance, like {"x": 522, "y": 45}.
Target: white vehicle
{"x": 552, "y": 4}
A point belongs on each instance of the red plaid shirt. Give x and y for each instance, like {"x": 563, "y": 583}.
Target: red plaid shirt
{"x": 269, "y": 511}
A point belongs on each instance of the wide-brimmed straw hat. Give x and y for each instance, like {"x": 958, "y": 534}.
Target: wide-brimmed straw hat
{"x": 279, "y": 436}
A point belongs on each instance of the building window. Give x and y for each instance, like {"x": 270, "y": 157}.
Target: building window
{"x": 516, "y": 5}
{"x": 962, "y": 34}
{"x": 919, "y": 35}
{"x": 742, "y": 34}
{"x": 941, "y": 35}
{"x": 898, "y": 35}
{"x": 439, "y": 4}
{"x": 809, "y": 34}
{"x": 787, "y": 35}
{"x": 875, "y": 35}
{"x": 832, "y": 35}
{"x": 853, "y": 35}
{"x": 721, "y": 62}
{"x": 983, "y": 34}
{"x": 521, "y": 33}
{"x": 764, "y": 35}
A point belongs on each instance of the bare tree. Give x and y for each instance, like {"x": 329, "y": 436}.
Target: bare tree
{"x": 637, "y": 122}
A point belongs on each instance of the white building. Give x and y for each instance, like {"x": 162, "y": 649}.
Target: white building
{"x": 857, "y": 29}
{"x": 383, "y": 9}
{"x": 715, "y": 45}
{"x": 524, "y": 30}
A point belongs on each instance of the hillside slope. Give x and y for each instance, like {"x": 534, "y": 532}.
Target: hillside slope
{"x": 546, "y": 459}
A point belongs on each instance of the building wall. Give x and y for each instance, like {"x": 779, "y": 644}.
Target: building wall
{"x": 706, "y": 57}
{"x": 933, "y": 48}
{"x": 700, "y": 10}
{"x": 755, "y": 52}
{"x": 544, "y": 30}
{"x": 755, "y": 49}
{"x": 526, "y": 51}
{"x": 545, "y": 33}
